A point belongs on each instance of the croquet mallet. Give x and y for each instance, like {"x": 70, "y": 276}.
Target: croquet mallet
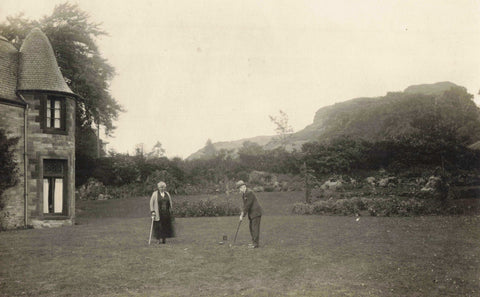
{"x": 238, "y": 227}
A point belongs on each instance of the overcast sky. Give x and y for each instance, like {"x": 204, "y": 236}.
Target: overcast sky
{"x": 190, "y": 70}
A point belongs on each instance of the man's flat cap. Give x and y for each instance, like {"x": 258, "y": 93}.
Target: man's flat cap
{"x": 240, "y": 183}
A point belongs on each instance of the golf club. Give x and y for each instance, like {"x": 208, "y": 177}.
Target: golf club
{"x": 151, "y": 229}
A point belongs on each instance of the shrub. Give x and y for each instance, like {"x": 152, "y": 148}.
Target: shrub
{"x": 302, "y": 208}
{"x": 336, "y": 206}
{"x": 205, "y": 208}
{"x": 261, "y": 178}
{"x": 378, "y": 207}
{"x": 128, "y": 191}
{"x": 290, "y": 182}
{"x": 91, "y": 190}
{"x": 8, "y": 166}
{"x": 402, "y": 207}
{"x": 269, "y": 189}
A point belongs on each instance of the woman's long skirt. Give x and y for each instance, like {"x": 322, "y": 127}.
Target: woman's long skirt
{"x": 164, "y": 228}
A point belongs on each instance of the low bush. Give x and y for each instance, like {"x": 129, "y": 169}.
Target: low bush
{"x": 302, "y": 208}
{"x": 271, "y": 182}
{"x": 205, "y": 208}
{"x": 383, "y": 207}
{"x": 91, "y": 190}
{"x": 290, "y": 182}
{"x": 339, "y": 206}
{"x": 397, "y": 207}
{"x": 128, "y": 191}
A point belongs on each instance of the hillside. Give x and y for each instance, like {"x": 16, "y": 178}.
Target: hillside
{"x": 430, "y": 89}
{"x": 232, "y": 145}
{"x": 373, "y": 118}
{"x": 391, "y": 116}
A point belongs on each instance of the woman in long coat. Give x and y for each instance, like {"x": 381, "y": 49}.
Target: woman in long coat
{"x": 160, "y": 208}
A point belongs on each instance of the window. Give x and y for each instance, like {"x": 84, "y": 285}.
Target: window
{"x": 54, "y": 189}
{"x": 53, "y": 114}
{"x": 54, "y": 111}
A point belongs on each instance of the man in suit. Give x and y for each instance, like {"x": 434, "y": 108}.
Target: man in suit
{"x": 254, "y": 211}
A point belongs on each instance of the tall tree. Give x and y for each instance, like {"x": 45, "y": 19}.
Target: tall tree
{"x": 209, "y": 150}
{"x": 157, "y": 151}
{"x": 283, "y": 128}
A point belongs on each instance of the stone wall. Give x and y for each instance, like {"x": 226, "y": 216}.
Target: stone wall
{"x": 43, "y": 146}
{"x": 40, "y": 146}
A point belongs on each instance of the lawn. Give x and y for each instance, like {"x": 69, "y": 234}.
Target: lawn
{"x": 107, "y": 254}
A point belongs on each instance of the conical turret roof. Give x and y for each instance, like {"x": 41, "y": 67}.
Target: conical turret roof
{"x": 38, "y": 69}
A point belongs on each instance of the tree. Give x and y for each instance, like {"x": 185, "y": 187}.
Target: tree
{"x": 209, "y": 150}
{"x": 458, "y": 115}
{"x": 157, "y": 151}
{"x": 309, "y": 179}
{"x": 252, "y": 155}
{"x": 341, "y": 155}
{"x": 283, "y": 128}
{"x": 251, "y": 148}
{"x": 139, "y": 149}
{"x": 73, "y": 38}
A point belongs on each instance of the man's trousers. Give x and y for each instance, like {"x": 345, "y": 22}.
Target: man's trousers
{"x": 255, "y": 230}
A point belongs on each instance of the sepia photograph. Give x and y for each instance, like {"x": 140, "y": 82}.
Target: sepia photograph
{"x": 239, "y": 148}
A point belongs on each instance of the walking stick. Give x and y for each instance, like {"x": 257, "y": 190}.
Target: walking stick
{"x": 238, "y": 227}
{"x": 151, "y": 228}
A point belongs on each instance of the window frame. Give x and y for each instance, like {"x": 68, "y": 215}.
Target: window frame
{"x": 52, "y": 176}
{"x": 46, "y": 113}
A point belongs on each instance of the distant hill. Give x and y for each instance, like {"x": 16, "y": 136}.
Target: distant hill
{"x": 390, "y": 116}
{"x": 372, "y": 118}
{"x": 430, "y": 89}
{"x": 231, "y": 145}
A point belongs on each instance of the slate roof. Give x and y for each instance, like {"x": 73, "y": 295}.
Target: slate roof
{"x": 8, "y": 70}
{"x": 38, "y": 68}
{"x": 33, "y": 68}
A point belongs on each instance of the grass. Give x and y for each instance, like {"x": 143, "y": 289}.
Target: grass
{"x": 107, "y": 255}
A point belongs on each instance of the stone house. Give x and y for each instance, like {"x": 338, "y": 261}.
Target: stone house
{"x": 37, "y": 106}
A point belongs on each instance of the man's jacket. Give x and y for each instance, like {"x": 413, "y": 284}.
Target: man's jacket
{"x": 250, "y": 205}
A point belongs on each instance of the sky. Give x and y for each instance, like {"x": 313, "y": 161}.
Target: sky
{"x": 193, "y": 70}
